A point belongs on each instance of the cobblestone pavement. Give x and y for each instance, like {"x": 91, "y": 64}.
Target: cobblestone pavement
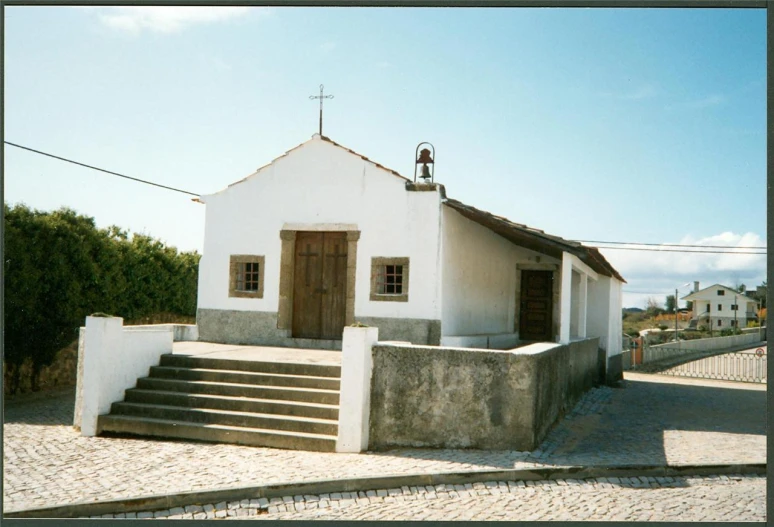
{"x": 650, "y": 420}
{"x": 712, "y": 498}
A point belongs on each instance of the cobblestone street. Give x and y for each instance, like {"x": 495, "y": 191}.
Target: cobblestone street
{"x": 713, "y": 498}
{"x": 651, "y": 420}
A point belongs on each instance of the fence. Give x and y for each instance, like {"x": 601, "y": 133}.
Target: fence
{"x": 743, "y": 367}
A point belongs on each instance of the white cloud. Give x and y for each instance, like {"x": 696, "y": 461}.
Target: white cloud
{"x": 165, "y": 19}
{"x": 658, "y": 273}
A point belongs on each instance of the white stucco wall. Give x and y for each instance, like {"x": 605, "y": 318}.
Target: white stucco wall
{"x": 615, "y": 320}
{"x": 320, "y": 183}
{"x": 710, "y": 296}
{"x": 113, "y": 358}
{"x": 479, "y": 278}
{"x": 575, "y": 304}
{"x": 355, "y": 397}
{"x": 604, "y": 313}
{"x": 598, "y": 317}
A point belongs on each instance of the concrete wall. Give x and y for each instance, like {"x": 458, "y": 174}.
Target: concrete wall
{"x": 110, "y": 360}
{"x": 320, "y": 186}
{"x": 470, "y": 398}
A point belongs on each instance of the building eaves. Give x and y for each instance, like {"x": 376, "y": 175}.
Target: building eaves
{"x": 535, "y": 239}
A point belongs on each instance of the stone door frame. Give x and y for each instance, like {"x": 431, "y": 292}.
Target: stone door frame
{"x": 555, "y": 293}
{"x": 287, "y": 265}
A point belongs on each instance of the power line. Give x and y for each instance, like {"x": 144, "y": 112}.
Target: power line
{"x": 677, "y": 245}
{"x": 679, "y": 250}
{"x": 101, "y": 169}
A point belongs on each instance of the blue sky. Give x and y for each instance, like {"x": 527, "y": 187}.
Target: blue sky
{"x": 637, "y": 125}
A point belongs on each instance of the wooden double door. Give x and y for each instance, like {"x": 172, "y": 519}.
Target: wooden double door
{"x": 320, "y": 285}
{"x": 535, "y": 320}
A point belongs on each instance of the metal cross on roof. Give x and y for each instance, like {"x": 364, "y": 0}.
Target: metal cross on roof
{"x": 321, "y": 97}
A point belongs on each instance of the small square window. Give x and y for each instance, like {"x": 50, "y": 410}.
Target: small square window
{"x": 246, "y": 276}
{"x": 734, "y": 307}
{"x": 721, "y": 292}
{"x": 720, "y": 307}
{"x": 389, "y": 279}
{"x": 720, "y": 322}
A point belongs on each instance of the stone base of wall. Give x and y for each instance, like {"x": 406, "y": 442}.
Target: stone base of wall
{"x": 259, "y": 328}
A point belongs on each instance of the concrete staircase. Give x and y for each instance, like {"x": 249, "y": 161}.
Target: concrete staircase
{"x": 272, "y": 404}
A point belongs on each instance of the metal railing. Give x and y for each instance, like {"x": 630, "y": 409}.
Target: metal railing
{"x": 741, "y": 367}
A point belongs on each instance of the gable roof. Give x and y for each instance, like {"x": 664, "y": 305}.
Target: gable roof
{"x": 516, "y": 233}
{"x": 535, "y": 239}
{"x": 317, "y": 137}
{"x": 696, "y": 294}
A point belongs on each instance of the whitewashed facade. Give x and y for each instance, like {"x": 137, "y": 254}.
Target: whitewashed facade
{"x": 463, "y": 268}
{"x": 721, "y": 307}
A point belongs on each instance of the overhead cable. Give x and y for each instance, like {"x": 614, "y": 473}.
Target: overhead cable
{"x": 101, "y": 169}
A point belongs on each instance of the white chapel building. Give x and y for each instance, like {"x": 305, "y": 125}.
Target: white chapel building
{"x": 322, "y": 237}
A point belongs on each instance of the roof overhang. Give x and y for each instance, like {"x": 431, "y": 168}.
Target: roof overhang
{"x": 535, "y": 239}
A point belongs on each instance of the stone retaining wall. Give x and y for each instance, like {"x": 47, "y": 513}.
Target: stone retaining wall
{"x": 440, "y": 397}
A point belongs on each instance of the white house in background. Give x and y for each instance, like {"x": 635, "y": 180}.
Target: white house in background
{"x": 721, "y": 307}
{"x": 323, "y": 237}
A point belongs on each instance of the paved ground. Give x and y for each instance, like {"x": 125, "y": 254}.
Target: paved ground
{"x": 650, "y": 420}
{"x": 713, "y": 498}
{"x": 211, "y": 350}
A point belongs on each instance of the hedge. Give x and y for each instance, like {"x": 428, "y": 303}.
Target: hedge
{"x": 59, "y": 268}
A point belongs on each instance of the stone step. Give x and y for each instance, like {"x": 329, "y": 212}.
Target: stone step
{"x": 241, "y": 390}
{"x": 287, "y": 423}
{"x": 287, "y": 368}
{"x": 244, "y": 377}
{"x": 234, "y": 404}
{"x": 142, "y": 426}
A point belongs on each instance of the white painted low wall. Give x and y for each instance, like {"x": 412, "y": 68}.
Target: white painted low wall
{"x": 110, "y": 360}
{"x": 671, "y": 350}
{"x": 355, "y": 392}
{"x": 180, "y": 332}
{"x": 715, "y": 343}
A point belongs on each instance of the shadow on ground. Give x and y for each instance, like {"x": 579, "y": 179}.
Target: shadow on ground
{"x": 50, "y": 408}
{"x": 644, "y": 423}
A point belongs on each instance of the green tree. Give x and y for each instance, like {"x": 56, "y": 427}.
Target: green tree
{"x": 670, "y": 303}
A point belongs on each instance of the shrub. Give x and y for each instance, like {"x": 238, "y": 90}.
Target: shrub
{"x": 59, "y": 268}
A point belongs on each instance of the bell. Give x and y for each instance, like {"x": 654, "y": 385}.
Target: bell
{"x": 424, "y": 157}
{"x": 425, "y": 172}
